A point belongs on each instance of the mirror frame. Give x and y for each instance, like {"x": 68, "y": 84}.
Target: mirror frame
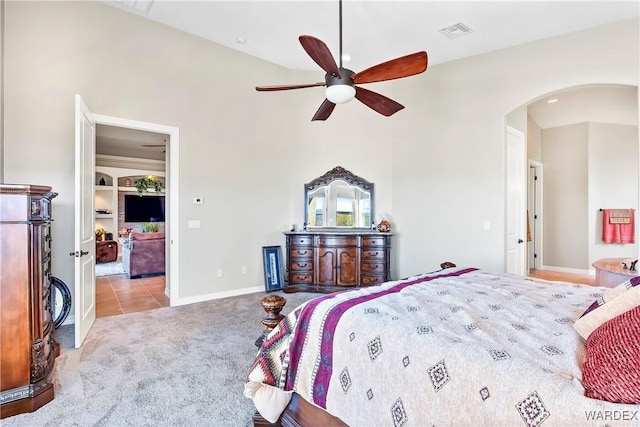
{"x": 335, "y": 174}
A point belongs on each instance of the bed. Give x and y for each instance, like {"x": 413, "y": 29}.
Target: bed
{"x": 460, "y": 346}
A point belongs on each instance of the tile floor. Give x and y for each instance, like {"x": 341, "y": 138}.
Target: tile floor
{"x": 118, "y": 295}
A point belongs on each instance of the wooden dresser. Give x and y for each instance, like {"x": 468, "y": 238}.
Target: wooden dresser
{"x": 332, "y": 261}
{"x": 27, "y": 346}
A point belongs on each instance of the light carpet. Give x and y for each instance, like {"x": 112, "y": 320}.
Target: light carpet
{"x": 172, "y": 366}
{"x": 109, "y": 268}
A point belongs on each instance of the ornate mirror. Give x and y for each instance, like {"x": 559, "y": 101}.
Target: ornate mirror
{"x": 338, "y": 199}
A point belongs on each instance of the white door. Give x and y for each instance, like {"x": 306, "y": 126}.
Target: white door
{"x": 85, "y": 247}
{"x": 515, "y": 201}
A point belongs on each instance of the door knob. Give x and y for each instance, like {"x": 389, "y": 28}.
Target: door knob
{"x": 520, "y": 241}
{"x": 78, "y": 254}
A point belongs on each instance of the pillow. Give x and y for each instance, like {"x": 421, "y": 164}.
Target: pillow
{"x": 612, "y": 293}
{"x": 589, "y": 321}
{"x": 611, "y": 370}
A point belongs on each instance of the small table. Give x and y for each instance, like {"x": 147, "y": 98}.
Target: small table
{"x": 106, "y": 251}
{"x": 609, "y": 272}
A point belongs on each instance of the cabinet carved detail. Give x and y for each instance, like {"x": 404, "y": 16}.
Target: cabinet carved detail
{"x": 26, "y": 315}
{"x": 332, "y": 261}
{"x": 38, "y": 360}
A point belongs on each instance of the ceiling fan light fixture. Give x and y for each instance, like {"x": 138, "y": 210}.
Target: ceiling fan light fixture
{"x": 340, "y": 94}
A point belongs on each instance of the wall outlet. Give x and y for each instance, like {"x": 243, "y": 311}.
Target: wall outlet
{"x": 194, "y": 223}
{"x": 244, "y": 269}
{"x": 219, "y": 272}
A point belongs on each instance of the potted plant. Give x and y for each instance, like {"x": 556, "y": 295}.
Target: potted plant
{"x": 150, "y": 227}
{"x": 147, "y": 183}
{"x": 99, "y": 233}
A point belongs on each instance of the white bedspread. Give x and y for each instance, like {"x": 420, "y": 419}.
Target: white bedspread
{"x": 456, "y": 348}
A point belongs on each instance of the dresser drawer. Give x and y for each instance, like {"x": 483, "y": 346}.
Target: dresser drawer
{"x": 301, "y": 253}
{"x": 297, "y": 241}
{"x": 368, "y": 241}
{"x": 338, "y": 241}
{"x": 301, "y": 266}
{"x": 373, "y": 254}
{"x": 300, "y": 278}
{"x": 372, "y": 280}
{"x": 372, "y": 268}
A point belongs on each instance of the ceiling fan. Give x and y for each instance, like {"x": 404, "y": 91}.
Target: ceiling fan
{"x": 341, "y": 82}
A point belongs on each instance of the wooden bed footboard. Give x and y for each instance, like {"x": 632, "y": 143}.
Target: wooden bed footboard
{"x": 299, "y": 412}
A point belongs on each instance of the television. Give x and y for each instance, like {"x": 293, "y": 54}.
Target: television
{"x": 143, "y": 208}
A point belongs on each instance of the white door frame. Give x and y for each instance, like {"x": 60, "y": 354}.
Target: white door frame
{"x": 535, "y": 209}
{"x": 515, "y": 208}
{"x": 172, "y": 185}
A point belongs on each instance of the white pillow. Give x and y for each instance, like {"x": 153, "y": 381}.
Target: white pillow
{"x": 623, "y": 301}
{"x": 618, "y": 290}
{"x": 270, "y": 401}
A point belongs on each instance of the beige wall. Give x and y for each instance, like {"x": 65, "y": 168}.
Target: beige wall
{"x": 437, "y": 165}
{"x": 587, "y": 167}
{"x": 448, "y": 169}
{"x": 240, "y": 150}
{"x": 566, "y": 196}
{"x": 613, "y": 183}
{"x": 534, "y": 140}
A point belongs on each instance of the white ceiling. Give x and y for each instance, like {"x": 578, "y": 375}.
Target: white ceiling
{"x": 595, "y": 103}
{"x": 375, "y": 31}
{"x": 115, "y": 141}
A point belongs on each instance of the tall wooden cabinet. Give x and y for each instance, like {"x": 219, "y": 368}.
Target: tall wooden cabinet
{"x": 331, "y": 261}
{"x": 27, "y": 346}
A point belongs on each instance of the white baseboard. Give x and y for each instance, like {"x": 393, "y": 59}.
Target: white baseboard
{"x": 590, "y": 272}
{"x": 217, "y": 295}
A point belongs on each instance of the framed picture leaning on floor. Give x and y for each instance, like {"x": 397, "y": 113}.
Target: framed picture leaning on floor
{"x": 273, "y": 276}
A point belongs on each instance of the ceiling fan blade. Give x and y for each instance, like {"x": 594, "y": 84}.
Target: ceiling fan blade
{"x": 377, "y": 102}
{"x": 320, "y": 53}
{"x": 325, "y": 110}
{"x": 287, "y": 87}
{"x": 404, "y": 66}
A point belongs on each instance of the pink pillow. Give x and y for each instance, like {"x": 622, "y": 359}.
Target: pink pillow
{"x": 611, "y": 370}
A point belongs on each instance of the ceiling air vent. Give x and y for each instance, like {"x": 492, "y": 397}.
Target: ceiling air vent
{"x": 456, "y": 30}
{"x": 140, "y": 5}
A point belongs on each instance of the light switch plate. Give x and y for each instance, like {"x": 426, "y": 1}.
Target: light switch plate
{"x": 194, "y": 223}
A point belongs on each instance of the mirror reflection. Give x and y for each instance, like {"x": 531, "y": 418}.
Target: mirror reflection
{"x": 339, "y": 199}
